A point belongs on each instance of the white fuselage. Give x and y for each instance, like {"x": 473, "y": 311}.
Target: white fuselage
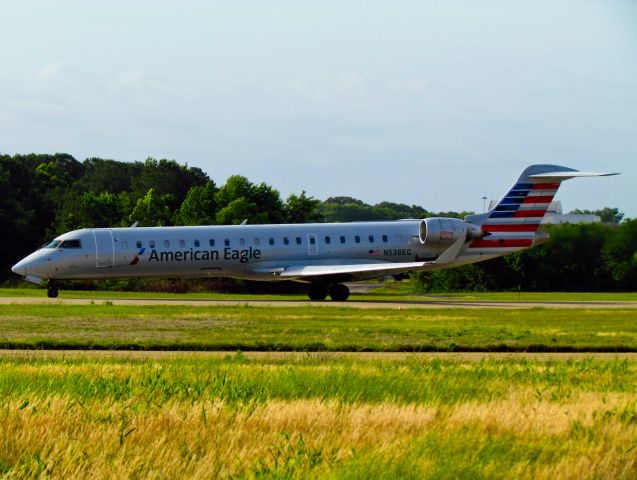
{"x": 244, "y": 251}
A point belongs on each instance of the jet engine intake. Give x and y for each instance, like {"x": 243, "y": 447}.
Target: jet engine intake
{"x": 445, "y": 231}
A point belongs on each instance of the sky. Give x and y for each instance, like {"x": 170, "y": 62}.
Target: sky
{"x": 433, "y": 103}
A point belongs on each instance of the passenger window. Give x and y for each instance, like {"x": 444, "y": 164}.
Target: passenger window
{"x": 328, "y": 240}
{"x": 342, "y": 238}
{"x": 182, "y": 243}
{"x": 226, "y": 242}
{"x": 271, "y": 241}
{"x": 139, "y": 244}
{"x": 286, "y": 241}
{"x": 211, "y": 242}
{"x": 357, "y": 239}
{"x": 167, "y": 243}
{"x": 298, "y": 240}
{"x": 196, "y": 243}
{"x": 242, "y": 242}
{"x": 385, "y": 239}
{"x": 371, "y": 238}
{"x": 152, "y": 244}
{"x": 312, "y": 240}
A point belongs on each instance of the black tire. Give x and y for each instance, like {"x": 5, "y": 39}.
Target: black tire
{"x": 317, "y": 292}
{"x": 52, "y": 292}
{"x": 339, "y": 292}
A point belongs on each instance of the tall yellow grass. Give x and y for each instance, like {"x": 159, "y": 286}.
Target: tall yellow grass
{"x": 58, "y": 437}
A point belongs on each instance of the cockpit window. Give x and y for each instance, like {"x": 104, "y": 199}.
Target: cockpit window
{"x": 71, "y": 244}
{"x": 53, "y": 244}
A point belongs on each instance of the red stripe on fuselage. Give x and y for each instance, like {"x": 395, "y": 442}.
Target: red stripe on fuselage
{"x": 511, "y": 227}
{"x": 522, "y": 242}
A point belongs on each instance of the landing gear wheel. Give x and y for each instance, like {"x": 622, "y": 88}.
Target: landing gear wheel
{"x": 317, "y": 292}
{"x": 339, "y": 292}
{"x": 52, "y": 289}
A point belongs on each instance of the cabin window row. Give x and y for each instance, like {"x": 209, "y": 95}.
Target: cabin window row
{"x": 327, "y": 239}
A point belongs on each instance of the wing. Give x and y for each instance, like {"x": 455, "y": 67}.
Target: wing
{"x": 339, "y": 271}
{"x": 347, "y": 269}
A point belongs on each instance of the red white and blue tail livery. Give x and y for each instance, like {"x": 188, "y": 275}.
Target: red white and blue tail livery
{"x": 513, "y": 223}
{"x": 325, "y": 255}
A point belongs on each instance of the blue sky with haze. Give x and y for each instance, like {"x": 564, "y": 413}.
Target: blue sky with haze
{"x": 434, "y": 103}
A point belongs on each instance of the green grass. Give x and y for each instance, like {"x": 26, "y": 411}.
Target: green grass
{"x": 271, "y": 328}
{"x": 73, "y": 416}
{"x": 108, "y": 295}
{"x": 391, "y": 291}
{"x": 237, "y": 378}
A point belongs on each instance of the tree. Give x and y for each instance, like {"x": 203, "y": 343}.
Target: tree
{"x": 236, "y": 212}
{"x": 302, "y": 209}
{"x": 19, "y": 227}
{"x": 268, "y": 201}
{"x": 152, "y": 210}
{"x": 606, "y": 214}
{"x": 347, "y": 209}
{"x": 167, "y": 177}
{"x": 620, "y": 256}
{"x": 109, "y": 175}
{"x": 93, "y": 210}
{"x": 199, "y": 207}
{"x": 239, "y": 200}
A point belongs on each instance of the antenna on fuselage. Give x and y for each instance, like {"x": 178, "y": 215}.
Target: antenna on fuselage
{"x": 134, "y": 225}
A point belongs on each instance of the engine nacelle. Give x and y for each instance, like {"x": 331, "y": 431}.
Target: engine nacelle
{"x": 439, "y": 232}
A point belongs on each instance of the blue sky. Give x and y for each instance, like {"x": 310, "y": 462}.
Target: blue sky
{"x": 434, "y": 103}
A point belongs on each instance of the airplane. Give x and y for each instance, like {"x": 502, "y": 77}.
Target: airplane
{"x": 324, "y": 255}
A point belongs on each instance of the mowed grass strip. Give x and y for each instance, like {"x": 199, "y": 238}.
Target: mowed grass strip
{"x": 78, "y": 417}
{"x": 388, "y": 291}
{"x": 270, "y": 328}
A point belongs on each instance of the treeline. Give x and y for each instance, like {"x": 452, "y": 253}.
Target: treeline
{"x": 42, "y": 196}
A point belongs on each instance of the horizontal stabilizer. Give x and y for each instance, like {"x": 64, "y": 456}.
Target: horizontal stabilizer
{"x": 562, "y": 175}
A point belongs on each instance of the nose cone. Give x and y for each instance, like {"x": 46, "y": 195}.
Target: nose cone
{"x": 21, "y": 267}
{"x": 35, "y": 264}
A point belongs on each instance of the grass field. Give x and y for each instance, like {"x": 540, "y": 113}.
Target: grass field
{"x": 322, "y": 415}
{"x": 79, "y": 416}
{"x": 269, "y": 328}
{"x": 388, "y": 291}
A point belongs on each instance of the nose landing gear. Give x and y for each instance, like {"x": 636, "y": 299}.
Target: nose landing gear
{"x": 52, "y": 289}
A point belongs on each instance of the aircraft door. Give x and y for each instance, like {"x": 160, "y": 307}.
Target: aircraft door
{"x": 312, "y": 244}
{"x": 104, "y": 248}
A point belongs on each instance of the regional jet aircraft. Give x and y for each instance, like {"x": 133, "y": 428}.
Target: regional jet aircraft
{"x": 325, "y": 255}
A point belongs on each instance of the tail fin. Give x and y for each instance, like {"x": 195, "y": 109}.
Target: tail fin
{"x": 512, "y": 223}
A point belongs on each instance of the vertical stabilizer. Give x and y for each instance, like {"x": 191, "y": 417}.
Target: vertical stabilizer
{"x": 512, "y": 224}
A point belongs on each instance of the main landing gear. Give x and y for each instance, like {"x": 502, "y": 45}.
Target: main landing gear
{"x": 52, "y": 289}
{"x": 337, "y": 292}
